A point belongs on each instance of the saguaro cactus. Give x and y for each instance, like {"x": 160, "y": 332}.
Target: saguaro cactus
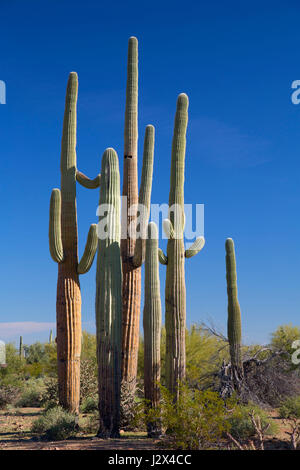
{"x": 109, "y": 297}
{"x": 63, "y": 241}
{"x": 175, "y": 292}
{"x": 21, "y": 348}
{"x": 152, "y": 325}
{"x": 234, "y": 325}
{"x": 130, "y": 262}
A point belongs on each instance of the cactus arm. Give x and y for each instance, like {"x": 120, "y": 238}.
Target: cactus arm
{"x": 145, "y": 196}
{"x": 87, "y": 182}
{"x": 89, "y": 251}
{"x": 195, "y": 248}
{"x": 55, "y": 240}
{"x": 163, "y": 259}
{"x": 168, "y": 229}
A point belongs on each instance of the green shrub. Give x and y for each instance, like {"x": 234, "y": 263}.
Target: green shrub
{"x": 89, "y": 405}
{"x": 196, "y": 421}
{"x": 50, "y": 393}
{"x": 32, "y": 394}
{"x": 290, "y": 408}
{"x": 56, "y": 424}
{"x": 241, "y": 426}
{"x": 8, "y": 395}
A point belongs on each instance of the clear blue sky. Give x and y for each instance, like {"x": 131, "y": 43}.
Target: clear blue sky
{"x": 236, "y": 62}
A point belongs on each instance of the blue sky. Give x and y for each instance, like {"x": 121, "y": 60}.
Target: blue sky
{"x": 236, "y": 62}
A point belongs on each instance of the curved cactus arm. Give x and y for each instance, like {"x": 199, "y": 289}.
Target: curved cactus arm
{"x": 89, "y": 251}
{"x": 163, "y": 259}
{"x": 195, "y": 248}
{"x": 87, "y": 182}
{"x": 55, "y": 240}
{"x": 168, "y": 229}
{"x": 145, "y": 196}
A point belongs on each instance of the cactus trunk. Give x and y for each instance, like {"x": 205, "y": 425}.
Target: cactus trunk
{"x": 109, "y": 299}
{"x": 175, "y": 291}
{"x": 152, "y": 326}
{"x": 132, "y": 251}
{"x": 63, "y": 238}
{"x": 234, "y": 327}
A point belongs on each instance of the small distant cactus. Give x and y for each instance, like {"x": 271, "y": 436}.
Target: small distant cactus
{"x": 234, "y": 326}
{"x": 152, "y": 326}
{"x": 21, "y": 348}
{"x": 175, "y": 292}
{"x": 109, "y": 298}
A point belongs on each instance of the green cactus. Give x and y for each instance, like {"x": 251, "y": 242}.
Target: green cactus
{"x": 109, "y": 298}
{"x": 50, "y": 337}
{"x": 132, "y": 250}
{"x": 234, "y": 325}
{"x": 63, "y": 242}
{"x": 21, "y": 348}
{"x": 175, "y": 292}
{"x": 152, "y": 326}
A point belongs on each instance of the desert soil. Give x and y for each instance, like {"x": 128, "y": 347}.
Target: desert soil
{"x": 15, "y": 434}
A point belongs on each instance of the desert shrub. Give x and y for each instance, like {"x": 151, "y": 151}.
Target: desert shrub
{"x": 290, "y": 408}
{"x": 284, "y": 336}
{"x": 241, "y": 426}
{"x": 196, "y": 421}
{"x": 8, "y": 395}
{"x": 88, "y": 379}
{"x": 56, "y": 424}
{"x": 89, "y": 405}
{"x": 32, "y": 393}
{"x": 50, "y": 393}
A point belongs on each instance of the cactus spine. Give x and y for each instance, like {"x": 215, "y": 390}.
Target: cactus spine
{"x": 175, "y": 292}
{"x": 109, "y": 298}
{"x": 152, "y": 325}
{"x": 132, "y": 256}
{"x": 234, "y": 326}
{"x": 63, "y": 241}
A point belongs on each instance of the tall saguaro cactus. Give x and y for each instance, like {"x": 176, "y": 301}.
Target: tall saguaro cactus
{"x": 234, "y": 325}
{"x": 109, "y": 298}
{"x": 152, "y": 325}
{"x": 132, "y": 260}
{"x": 175, "y": 292}
{"x": 63, "y": 241}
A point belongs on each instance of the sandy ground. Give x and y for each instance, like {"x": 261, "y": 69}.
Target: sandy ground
{"x": 15, "y": 434}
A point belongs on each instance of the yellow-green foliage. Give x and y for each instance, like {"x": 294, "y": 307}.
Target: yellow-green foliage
{"x": 197, "y": 420}
{"x": 241, "y": 426}
{"x": 290, "y": 408}
{"x": 284, "y": 336}
{"x": 88, "y": 346}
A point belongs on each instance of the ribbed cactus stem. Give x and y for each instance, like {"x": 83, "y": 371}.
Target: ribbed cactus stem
{"x": 109, "y": 298}
{"x": 133, "y": 252}
{"x": 152, "y": 325}
{"x": 234, "y": 326}
{"x": 175, "y": 292}
{"x": 21, "y": 348}
{"x": 63, "y": 242}
{"x": 50, "y": 337}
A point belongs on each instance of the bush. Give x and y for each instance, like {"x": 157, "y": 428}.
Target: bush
{"x": 89, "y": 405}
{"x": 241, "y": 426}
{"x": 8, "y": 395}
{"x": 50, "y": 393}
{"x": 196, "y": 421}
{"x": 290, "y": 408}
{"x": 55, "y": 425}
{"x": 88, "y": 379}
{"x": 32, "y": 394}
